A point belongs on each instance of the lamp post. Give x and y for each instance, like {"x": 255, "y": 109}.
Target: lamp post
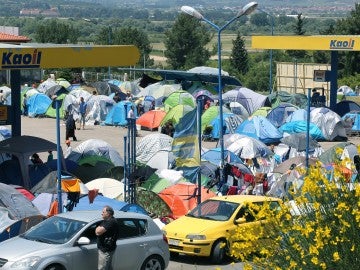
{"x": 271, "y": 51}
{"x": 109, "y": 42}
{"x": 246, "y": 10}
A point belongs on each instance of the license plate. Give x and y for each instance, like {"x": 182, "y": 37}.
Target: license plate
{"x": 174, "y": 242}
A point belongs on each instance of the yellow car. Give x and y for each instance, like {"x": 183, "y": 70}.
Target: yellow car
{"x": 204, "y": 231}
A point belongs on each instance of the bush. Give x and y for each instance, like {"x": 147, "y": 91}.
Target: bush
{"x": 321, "y": 232}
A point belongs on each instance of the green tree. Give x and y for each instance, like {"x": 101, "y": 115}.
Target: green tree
{"x": 350, "y": 26}
{"x": 239, "y": 56}
{"x": 57, "y": 32}
{"x": 185, "y": 43}
{"x": 299, "y": 30}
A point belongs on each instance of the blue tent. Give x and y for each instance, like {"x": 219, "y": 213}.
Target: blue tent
{"x": 214, "y": 156}
{"x": 101, "y": 201}
{"x": 354, "y": 119}
{"x": 260, "y": 128}
{"x": 301, "y": 126}
{"x": 38, "y": 104}
{"x": 118, "y": 114}
{"x": 346, "y": 106}
{"x": 278, "y": 115}
{"x": 231, "y": 122}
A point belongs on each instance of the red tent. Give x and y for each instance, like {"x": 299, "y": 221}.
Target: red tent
{"x": 182, "y": 197}
{"x": 151, "y": 119}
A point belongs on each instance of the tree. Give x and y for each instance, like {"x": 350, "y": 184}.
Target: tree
{"x": 299, "y": 31}
{"x": 239, "y": 55}
{"x": 56, "y": 32}
{"x": 350, "y": 26}
{"x": 185, "y": 43}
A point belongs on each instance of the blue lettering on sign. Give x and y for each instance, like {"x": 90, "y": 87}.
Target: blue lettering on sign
{"x": 342, "y": 44}
{"x": 12, "y": 60}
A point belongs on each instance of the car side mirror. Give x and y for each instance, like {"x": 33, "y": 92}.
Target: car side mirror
{"x": 240, "y": 220}
{"x": 83, "y": 241}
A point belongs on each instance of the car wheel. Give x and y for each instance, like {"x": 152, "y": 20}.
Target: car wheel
{"x": 153, "y": 263}
{"x": 55, "y": 267}
{"x": 174, "y": 255}
{"x": 218, "y": 252}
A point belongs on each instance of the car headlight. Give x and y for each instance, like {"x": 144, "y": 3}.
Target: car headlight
{"x": 27, "y": 262}
{"x": 196, "y": 237}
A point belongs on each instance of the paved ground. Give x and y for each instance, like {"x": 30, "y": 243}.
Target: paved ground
{"x": 46, "y": 128}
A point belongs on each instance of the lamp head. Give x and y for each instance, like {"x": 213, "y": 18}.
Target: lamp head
{"x": 192, "y": 12}
{"x": 247, "y": 9}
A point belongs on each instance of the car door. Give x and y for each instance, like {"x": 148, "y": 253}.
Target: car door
{"x": 84, "y": 257}
{"x": 131, "y": 244}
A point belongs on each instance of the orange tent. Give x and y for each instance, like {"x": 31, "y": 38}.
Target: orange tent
{"x": 182, "y": 197}
{"x": 151, "y": 119}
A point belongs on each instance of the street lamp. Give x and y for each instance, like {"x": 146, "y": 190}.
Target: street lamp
{"x": 246, "y": 10}
{"x": 271, "y": 51}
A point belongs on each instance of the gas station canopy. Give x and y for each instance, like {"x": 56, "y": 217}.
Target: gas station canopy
{"x": 30, "y": 56}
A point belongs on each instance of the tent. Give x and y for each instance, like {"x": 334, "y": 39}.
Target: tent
{"x": 352, "y": 121}
{"x": 260, "y": 128}
{"x": 152, "y": 203}
{"x": 278, "y": 115}
{"x": 214, "y": 156}
{"x": 51, "y": 111}
{"x": 329, "y": 122}
{"x": 117, "y": 116}
{"x": 346, "y": 106}
{"x": 151, "y": 119}
{"x": 182, "y": 197}
{"x": 149, "y": 145}
{"x": 101, "y": 201}
{"x": 18, "y": 205}
{"x": 96, "y": 147}
{"x": 277, "y": 97}
{"x": 249, "y": 99}
{"x": 108, "y": 187}
{"x": 231, "y": 122}
{"x": 262, "y": 111}
{"x": 98, "y": 107}
{"x": 22, "y": 147}
{"x": 38, "y": 104}
{"x": 176, "y": 113}
{"x": 210, "y": 114}
{"x": 179, "y": 97}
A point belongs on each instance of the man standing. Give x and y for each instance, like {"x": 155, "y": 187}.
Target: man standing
{"x": 83, "y": 107}
{"x": 107, "y": 234}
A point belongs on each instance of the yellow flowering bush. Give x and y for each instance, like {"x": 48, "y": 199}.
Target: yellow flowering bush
{"x": 318, "y": 229}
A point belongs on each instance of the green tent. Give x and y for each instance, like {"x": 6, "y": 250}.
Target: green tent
{"x": 179, "y": 97}
{"x": 210, "y": 114}
{"x": 51, "y": 111}
{"x": 263, "y": 111}
{"x": 176, "y": 113}
{"x": 157, "y": 184}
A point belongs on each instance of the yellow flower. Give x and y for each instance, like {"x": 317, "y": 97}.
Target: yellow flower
{"x": 315, "y": 260}
{"x": 336, "y": 256}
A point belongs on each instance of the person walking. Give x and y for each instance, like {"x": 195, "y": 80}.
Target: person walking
{"x": 107, "y": 233}
{"x": 25, "y": 105}
{"x": 82, "y": 110}
{"x": 70, "y": 126}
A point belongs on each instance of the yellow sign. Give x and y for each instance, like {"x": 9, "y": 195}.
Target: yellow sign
{"x": 318, "y": 43}
{"x": 60, "y": 56}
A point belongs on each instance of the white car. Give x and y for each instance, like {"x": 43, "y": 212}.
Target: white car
{"x": 68, "y": 242}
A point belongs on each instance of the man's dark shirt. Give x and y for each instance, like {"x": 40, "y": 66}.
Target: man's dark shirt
{"x": 107, "y": 241}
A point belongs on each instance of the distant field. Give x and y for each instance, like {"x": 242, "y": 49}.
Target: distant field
{"x": 226, "y": 44}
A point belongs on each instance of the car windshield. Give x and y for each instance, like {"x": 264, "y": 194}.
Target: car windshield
{"x": 214, "y": 210}
{"x": 55, "y": 230}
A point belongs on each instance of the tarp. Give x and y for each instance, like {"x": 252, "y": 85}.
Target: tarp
{"x": 298, "y": 141}
{"x": 182, "y": 197}
{"x": 353, "y": 118}
{"x": 98, "y": 107}
{"x": 277, "y": 97}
